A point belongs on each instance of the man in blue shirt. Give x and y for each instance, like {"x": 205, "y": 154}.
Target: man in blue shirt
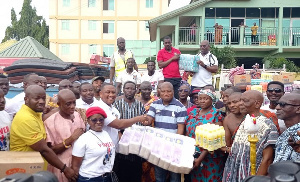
{"x": 169, "y": 115}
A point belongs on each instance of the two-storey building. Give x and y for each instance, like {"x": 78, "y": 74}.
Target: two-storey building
{"x": 231, "y": 23}
{"x": 80, "y": 28}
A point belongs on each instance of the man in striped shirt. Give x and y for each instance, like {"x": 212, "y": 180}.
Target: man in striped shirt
{"x": 129, "y": 167}
{"x": 168, "y": 114}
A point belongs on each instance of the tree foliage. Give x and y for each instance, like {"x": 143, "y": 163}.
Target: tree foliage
{"x": 277, "y": 63}
{"x": 29, "y": 24}
{"x": 226, "y": 56}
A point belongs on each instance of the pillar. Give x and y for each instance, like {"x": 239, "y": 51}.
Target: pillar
{"x": 280, "y": 27}
{"x": 242, "y": 34}
{"x": 158, "y": 39}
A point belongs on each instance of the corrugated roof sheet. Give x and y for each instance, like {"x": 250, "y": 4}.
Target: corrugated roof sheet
{"x": 6, "y": 44}
{"x": 28, "y": 48}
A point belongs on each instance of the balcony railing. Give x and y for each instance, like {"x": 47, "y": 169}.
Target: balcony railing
{"x": 187, "y": 35}
{"x": 232, "y": 36}
{"x": 291, "y": 36}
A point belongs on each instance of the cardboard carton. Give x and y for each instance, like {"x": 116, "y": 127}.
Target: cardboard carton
{"x": 288, "y": 73}
{"x": 20, "y": 162}
{"x": 242, "y": 80}
{"x": 284, "y": 78}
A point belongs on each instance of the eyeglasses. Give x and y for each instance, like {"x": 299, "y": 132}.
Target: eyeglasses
{"x": 283, "y": 104}
{"x": 96, "y": 120}
{"x": 183, "y": 90}
{"x": 195, "y": 97}
{"x": 276, "y": 90}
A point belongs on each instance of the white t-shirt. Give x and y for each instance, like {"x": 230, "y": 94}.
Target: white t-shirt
{"x": 124, "y": 77}
{"x": 15, "y": 104}
{"x": 5, "y": 123}
{"x": 98, "y": 152}
{"x": 112, "y": 114}
{"x": 204, "y": 77}
{"x": 83, "y": 105}
{"x": 280, "y": 121}
{"x": 6, "y": 102}
{"x": 154, "y": 79}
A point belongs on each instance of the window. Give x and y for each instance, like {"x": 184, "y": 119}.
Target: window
{"x": 108, "y": 4}
{"x": 253, "y": 12}
{"x": 66, "y": 3}
{"x": 65, "y": 24}
{"x": 108, "y": 27}
{"x": 65, "y": 49}
{"x": 295, "y": 12}
{"x": 238, "y": 12}
{"x": 108, "y": 50}
{"x": 142, "y": 49}
{"x": 210, "y": 12}
{"x": 222, "y": 12}
{"x": 92, "y": 49}
{"x": 92, "y": 3}
{"x": 149, "y": 3}
{"x": 146, "y": 26}
{"x": 268, "y": 12}
{"x": 92, "y": 25}
{"x": 286, "y": 12}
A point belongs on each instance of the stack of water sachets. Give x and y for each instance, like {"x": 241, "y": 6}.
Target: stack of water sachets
{"x": 169, "y": 151}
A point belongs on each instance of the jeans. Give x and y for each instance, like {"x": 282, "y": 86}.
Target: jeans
{"x": 161, "y": 174}
{"x": 129, "y": 168}
{"x": 254, "y": 39}
{"x": 176, "y": 84}
{"x": 107, "y": 177}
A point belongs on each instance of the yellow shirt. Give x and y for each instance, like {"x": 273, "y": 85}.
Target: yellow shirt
{"x": 254, "y": 29}
{"x": 27, "y": 129}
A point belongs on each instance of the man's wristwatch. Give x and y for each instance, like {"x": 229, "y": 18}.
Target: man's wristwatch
{"x": 205, "y": 66}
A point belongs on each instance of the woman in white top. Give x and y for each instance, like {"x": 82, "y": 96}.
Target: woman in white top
{"x": 93, "y": 153}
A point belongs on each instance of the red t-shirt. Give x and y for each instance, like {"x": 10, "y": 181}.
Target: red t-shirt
{"x": 172, "y": 70}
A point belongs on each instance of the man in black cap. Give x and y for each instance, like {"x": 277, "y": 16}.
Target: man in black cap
{"x": 97, "y": 82}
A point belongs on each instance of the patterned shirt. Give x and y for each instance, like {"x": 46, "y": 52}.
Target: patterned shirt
{"x": 238, "y": 164}
{"x": 126, "y": 112}
{"x": 167, "y": 116}
{"x": 129, "y": 111}
{"x": 284, "y": 151}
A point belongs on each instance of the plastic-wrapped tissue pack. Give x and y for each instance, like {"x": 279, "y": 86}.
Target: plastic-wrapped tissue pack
{"x": 188, "y": 62}
{"x": 169, "y": 151}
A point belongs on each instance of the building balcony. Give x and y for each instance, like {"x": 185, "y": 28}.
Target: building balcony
{"x": 233, "y": 36}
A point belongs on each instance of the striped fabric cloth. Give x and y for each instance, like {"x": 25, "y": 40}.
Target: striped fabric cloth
{"x": 128, "y": 112}
{"x": 167, "y": 116}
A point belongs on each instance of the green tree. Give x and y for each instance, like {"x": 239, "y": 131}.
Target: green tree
{"x": 226, "y": 56}
{"x": 11, "y": 31}
{"x": 277, "y": 63}
{"x": 29, "y": 24}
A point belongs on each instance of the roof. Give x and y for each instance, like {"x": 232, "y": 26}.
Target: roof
{"x": 7, "y": 43}
{"x": 28, "y": 48}
{"x": 153, "y": 22}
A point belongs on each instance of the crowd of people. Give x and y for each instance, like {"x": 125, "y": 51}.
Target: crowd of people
{"x": 77, "y": 131}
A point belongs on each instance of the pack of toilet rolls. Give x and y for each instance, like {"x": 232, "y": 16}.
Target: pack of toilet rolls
{"x": 169, "y": 151}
